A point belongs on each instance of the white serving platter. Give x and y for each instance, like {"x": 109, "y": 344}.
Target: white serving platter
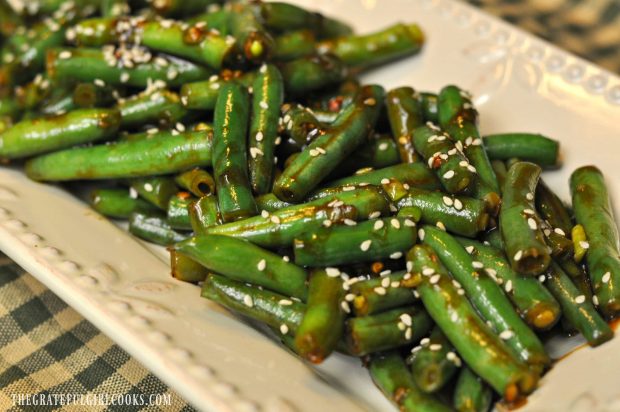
{"x": 219, "y": 364}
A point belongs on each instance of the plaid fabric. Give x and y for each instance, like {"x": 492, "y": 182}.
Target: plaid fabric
{"x": 48, "y": 348}
{"x": 588, "y": 28}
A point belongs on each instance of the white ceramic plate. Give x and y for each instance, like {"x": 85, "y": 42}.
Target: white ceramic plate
{"x": 219, "y": 364}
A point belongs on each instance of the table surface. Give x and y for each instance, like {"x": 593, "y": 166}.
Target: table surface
{"x": 47, "y": 347}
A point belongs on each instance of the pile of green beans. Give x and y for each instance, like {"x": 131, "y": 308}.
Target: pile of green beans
{"x": 345, "y": 217}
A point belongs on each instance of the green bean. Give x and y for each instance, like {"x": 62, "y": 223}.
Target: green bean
{"x": 533, "y": 302}
{"x": 186, "y": 269}
{"x": 87, "y": 65}
{"x": 32, "y": 137}
{"x": 241, "y": 260}
{"x": 578, "y": 275}
{"x": 202, "y": 95}
{"x": 471, "y": 393}
{"x": 325, "y": 152}
{"x": 458, "y": 117}
{"x": 390, "y": 374}
{"x": 593, "y": 210}
{"x": 405, "y": 115}
{"x": 415, "y": 175}
{"x": 487, "y": 297}
{"x": 434, "y": 363}
{"x": 379, "y": 153}
{"x": 474, "y": 340}
{"x": 519, "y": 224}
{"x": 181, "y": 8}
{"x": 311, "y": 73}
{"x": 528, "y": 147}
{"x": 229, "y": 153}
{"x": 203, "y": 214}
{"x": 387, "y": 330}
{"x": 301, "y": 125}
{"x": 365, "y": 51}
{"x": 380, "y": 294}
{"x": 280, "y": 16}
{"x": 254, "y": 41}
{"x": 443, "y": 156}
{"x": 430, "y": 103}
{"x": 274, "y": 309}
{"x": 156, "y": 190}
{"x": 362, "y": 242}
{"x": 161, "y": 107}
{"x": 552, "y": 209}
{"x": 90, "y": 95}
{"x": 197, "y": 181}
{"x": 153, "y": 228}
{"x": 199, "y": 45}
{"x": 499, "y": 167}
{"x": 161, "y": 155}
{"x": 577, "y": 309}
{"x": 178, "y": 211}
{"x": 294, "y": 45}
{"x": 267, "y": 97}
{"x": 283, "y": 226}
{"x": 323, "y": 322}
{"x": 118, "y": 203}
{"x": 465, "y": 216}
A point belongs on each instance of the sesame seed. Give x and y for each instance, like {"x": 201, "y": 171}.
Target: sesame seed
{"x": 425, "y": 341}
{"x": 471, "y": 168}
{"x": 460, "y": 292}
{"x": 491, "y": 272}
{"x": 469, "y": 249}
{"x": 348, "y": 188}
{"x": 215, "y": 86}
{"x": 99, "y": 82}
{"x": 454, "y": 317}
{"x": 595, "y": 300}
{"x": 285, "y": 302}
{"x": 580, "y": 299}
{"x": 385, "y": 181}
{"x": 395, "y": 284}
{"x": 532, "y": 223}
{"x": 350, "y": 222}
{"x": 380, "y": 290}
{"x": 428, "y": 271}
{"x": 468, "y": 140}
{"x": 247, "y": 301}
{"x": 148, "y": 187}
{"x": 370, "y": 101}
{"x": 441, "y": 226}
{"x": 409, "y": 266}
{"x": 435, "y": 347}
{"x": 559, "y": 231}
{"x": 403, "y": 140}
{"x": 283, "y": 329}
{"x": 477, "y": 142}
{"x": 463, "y": 163}
{"x": 374, "y": 215}
{"x": 314, "y": 152}
{"x": 345, "y": 306}
{"x": 508, "y": 287}
{"x": 448, "y": 201}
{"x": 262, "y": 264}
{"x": 584, "y": 244}
{"x": 286, "y": 258}
{"x": 547, "y": 232}
{"x": 263, "y": 105}
{"x": 259, "y": 136}
{"x": 275, "y": 219}
{"x": 395, "y": 223}
{"x": 541, "y": 278}
{"x": 393, "y": 208}
{"x": 365, "y": 245}
{"x": 332, "y": 272}
{"x": 606, "y": 277}
{"x": 529, "y": 211}
{"x": 327, "y": 223}
{"x": 408, "y": 333}
{"x": 264, "y": 214}
{"x": 409, "y": 223}
{"x": 434, "y": 279}
{"x": 477, "y": 265}
{"x": 378, "y": 225}
{"x": 349, "y": 297}
{"x": 507, "y": 334}
{"x": 416, "y": 349}
{"x": 449, "y": 174}
{"x": 529, "y": 196}
{"x": 421, "y": 234}
{"x": 64, "y": 55}
{"x": 396, "y": 255}
{"x": 383, "y": 146}
{"x": 406, "y": 319}
{"x": 385, "y": 282}
{"x": 401, "y": 326}
{"x": 517, "y": 257}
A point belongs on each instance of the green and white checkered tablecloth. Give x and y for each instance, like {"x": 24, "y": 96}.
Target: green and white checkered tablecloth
{"x": 47, "y": 348}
